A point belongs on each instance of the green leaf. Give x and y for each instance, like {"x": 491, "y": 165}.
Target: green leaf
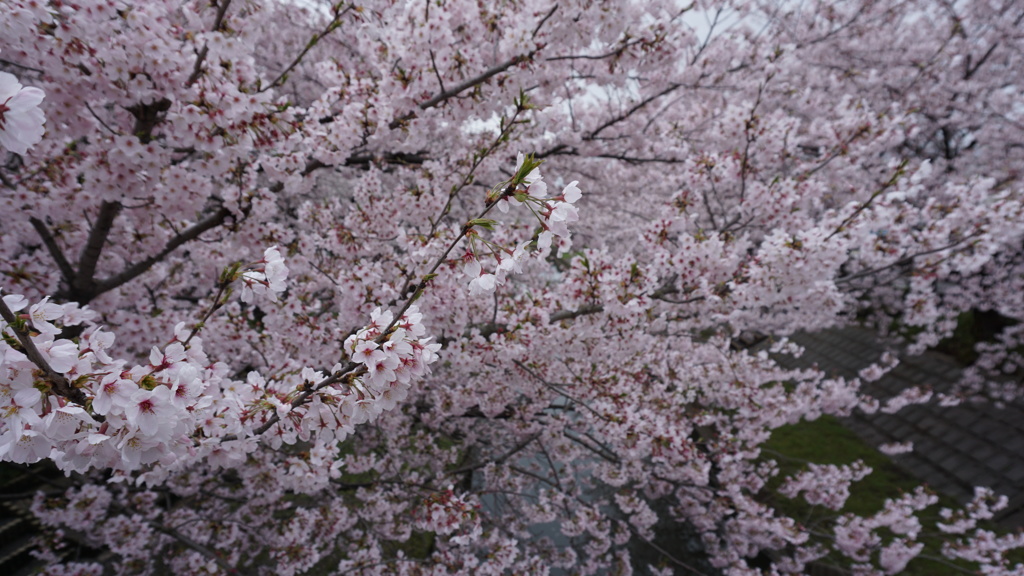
{"x": 529, "y": 163}
{"x": 230, "y": 273}
{"x": 483, "y": 223}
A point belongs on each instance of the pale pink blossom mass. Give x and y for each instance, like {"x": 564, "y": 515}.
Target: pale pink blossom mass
{"x": 460, "y": 287}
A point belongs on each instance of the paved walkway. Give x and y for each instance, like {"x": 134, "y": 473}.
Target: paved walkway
{"x": 956, "y": 448}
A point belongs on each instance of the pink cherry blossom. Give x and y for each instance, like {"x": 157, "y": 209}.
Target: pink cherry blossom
{"x": 149, "y": 410}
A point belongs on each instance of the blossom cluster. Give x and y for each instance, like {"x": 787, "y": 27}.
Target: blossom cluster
{"x": 554, "y": 214}
{"x": 131, "y": 416}
{"x": 825, "y": 484}
{"x": 390, "y": 354}
{"x": 860, "y": 538}
{"x": 446, "y": 513}
{"x": 265, "y": 277}
{"x": 982, "y": 507}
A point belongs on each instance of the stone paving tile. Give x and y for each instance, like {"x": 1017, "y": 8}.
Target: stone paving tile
{"x": 1015, "y": 444}
{"x": 954, "y": 438}
{"x": 955, "y": 449}
{"x": 914, "y": 415}
{"x": 983, "y": 453}
{"x": 964, "y": 418}
{"x": 1016, "y": 475}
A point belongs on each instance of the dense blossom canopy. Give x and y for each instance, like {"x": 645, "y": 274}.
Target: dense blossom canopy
{"x": 447, "y": 286}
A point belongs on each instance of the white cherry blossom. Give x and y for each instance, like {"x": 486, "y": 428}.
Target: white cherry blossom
{"x": 21, "y": 119}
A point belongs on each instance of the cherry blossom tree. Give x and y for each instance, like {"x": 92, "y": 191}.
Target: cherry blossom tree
{"x": 442, "y": 286}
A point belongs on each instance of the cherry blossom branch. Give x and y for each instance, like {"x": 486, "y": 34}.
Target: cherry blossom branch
{"x": 218, "y": 301}
{"x": 333, "y": 25}
{"x": 566, "y": 150}
{"x": 499, "y": 460}
{"x": 617, "y": 53}
{"x": 192, "y": 544}
{"x": 311, "y": 166}
{"x": 437, "y": 73}
{"x": 425, "y": 280}
{"x": 100, "y": 120}
{"x": 489, "y": 328}
{"x": 897, "y": 174}
{"x": 905, "y": 260}
{"x": 458, "y": 89}
{"x": 663, "y": 552}
{"x": 147, "y": 117}
{"x": 197, "y": 69}
{"x": 571, "y": 314}
{"x": 839, "y": 151}
{"x": 536, "y": 476}
{"x": 945, "y": 562}
{"x": 543, "y": 20}
{"x": 970, "y": 70}
{"x": 7, "y": 62}
{"x": 478, "y": 158}
{"x": 60, "y": 384}
{"x": 749, "y": 137}
{"x": 640, "y": 105}
{"x": 551, "y": 464}
{"x": 555, "y": 389}
{"x": 349, "y": 372}
{"x": 445, "y": 95}
{"x": 599, "y": 451}
{"x": 397, "y": 158}
{"x": 196, "y": 230}
{"x": 639, "y": 160}
{"x": 354, "y": 369}
{"x": 663, "y": 292}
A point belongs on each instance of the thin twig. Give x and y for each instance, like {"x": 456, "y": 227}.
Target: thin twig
{"x": 437, "y": 72}
{"x": 130, "y": 273}
{"x": 617, "y": 52}
{"x": 555, "y": 389}
{"x": 331, "y": 27}
{"x": 189, "y": 543}
{"x": 472, "y": 82}
{"x": 218, "y": 301}
{"x": 543, "y": 20}
{"x": 885, "y": 186}
{"x": 671, "y": 88}
{"x": 100, "y": 120}
{"x": 571, "y": 314}
{"x": 197, "y": 69}
{"x": 903, "y": 261}
{"x": 22, "y": 66}
{"x": 499, "y": 460}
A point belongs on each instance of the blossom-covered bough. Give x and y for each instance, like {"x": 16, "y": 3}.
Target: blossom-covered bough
{"x": 287, "y": 289}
